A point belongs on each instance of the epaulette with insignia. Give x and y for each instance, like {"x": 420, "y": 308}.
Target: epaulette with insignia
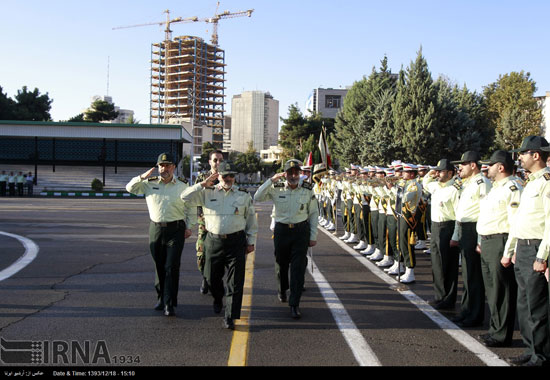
{"x": 457, "y": 185}
{"x": 479, "y": 181}
{"x": 243, "y": 189}
{"x": 513, "y": 187}
{"x": 152, "y": 178}
{"x": 183, "y": 179}
{"x": 546, "y": 176}
{"x": 279, "y": 184}
{"x": 307, "y": 185}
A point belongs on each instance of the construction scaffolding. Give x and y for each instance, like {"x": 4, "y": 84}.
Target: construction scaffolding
{"x": 187, "y": 84}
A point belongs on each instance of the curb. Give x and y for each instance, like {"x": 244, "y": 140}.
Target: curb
{"x": 88, "y": 194}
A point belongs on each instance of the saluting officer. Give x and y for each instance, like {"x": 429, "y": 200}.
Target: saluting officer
{"x": 230, "y": 220}
{"x": 527, "y": 247}
{"x": 296, "y": 218}
{"x": 171, "y": 222}
{"x": 496, "y": 212}
{"x": 475, "y": 186}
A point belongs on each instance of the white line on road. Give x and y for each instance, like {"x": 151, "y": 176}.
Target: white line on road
{"x": 483, "y": 353}
{"x": 31, "y": 250}
{"x": 361, "y": 350}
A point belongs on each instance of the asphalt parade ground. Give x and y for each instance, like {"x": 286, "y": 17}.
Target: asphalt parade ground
{"x": 76, "y": 279}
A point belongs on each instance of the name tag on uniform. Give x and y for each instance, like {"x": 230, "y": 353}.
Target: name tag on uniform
{"x": 282, "y": 196}
{"x": 213, "y": 200}
{"x": 155, "y": 188}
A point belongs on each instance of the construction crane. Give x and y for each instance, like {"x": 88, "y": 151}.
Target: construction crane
{"x": 212, "y": 20}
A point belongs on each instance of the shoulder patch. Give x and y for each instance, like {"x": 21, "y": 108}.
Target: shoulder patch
{"x": 513, "y": 188}
{"x": 152, "y": 178}
{"x": 457, "y": 185}
{"x": 183, "y": 179}
{"x": 307, "y": 185}
{"x": 479, "y": 181}
{"x": 546, "y": 176}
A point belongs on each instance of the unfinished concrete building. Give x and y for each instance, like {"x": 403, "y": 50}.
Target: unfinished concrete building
{"x": 187, "y": 84}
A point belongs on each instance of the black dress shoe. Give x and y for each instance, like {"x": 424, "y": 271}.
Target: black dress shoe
{"x": 159, "y": 305}
{"x": 458, "y": 318}
{"x": 218, "y": 306}
{"x": 228, "y": 323}
{"x": 295, "y": 312}
{"x": 519, "y": 360}
{"x": 204, "y": 286}
{"x": 469, "y": 323}
{"x": 282, "y": 297}
{"x": 492, "y": 342}
{"x": 169, "y": 311}
{"x": 434, "y": 302}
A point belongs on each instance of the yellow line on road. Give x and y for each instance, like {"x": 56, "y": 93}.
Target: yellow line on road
{"x": 238, "y": 353}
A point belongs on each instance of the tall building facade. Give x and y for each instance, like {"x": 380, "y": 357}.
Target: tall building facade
{"x": 326, "y": 101}
{"x": 187, "y": 84}
{"x": 254, "y": 117}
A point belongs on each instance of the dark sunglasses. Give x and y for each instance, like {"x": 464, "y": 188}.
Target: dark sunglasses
{"x": 228, "y": 176}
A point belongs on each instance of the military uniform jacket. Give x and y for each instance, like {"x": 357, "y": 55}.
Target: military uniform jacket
{"x": 498, "y": 208}
{"x": 164, "y": 200}
{"x": 225, "y": 211}
{"x": 444, "y": 196}
{"x": 532, "y": 219}
{"x": 291, "y": 206}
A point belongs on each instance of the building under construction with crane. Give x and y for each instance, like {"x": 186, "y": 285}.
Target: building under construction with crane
{"x": 188, "y": 80}
{"x": 187, "y": 84}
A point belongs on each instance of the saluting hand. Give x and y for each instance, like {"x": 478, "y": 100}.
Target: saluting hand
{"x": 148, "y": 173}
{"x": 249, "y": 248}
{"x": 278, "y": 176}
{"x": 210, "y": 180}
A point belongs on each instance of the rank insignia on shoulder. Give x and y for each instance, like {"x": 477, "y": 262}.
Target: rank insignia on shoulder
{"x": 307, "y": 185}
{"x": 183, "y": 179}
{"x": 457, "y": 186}
{"x": 479, "y": 181}
{"x": 279, "y": 184}
{"x": 152, "y": 178}
{"x": 546, "y": 176}
{"x": 513, "y": 187}
{"x": 243, "y": 189}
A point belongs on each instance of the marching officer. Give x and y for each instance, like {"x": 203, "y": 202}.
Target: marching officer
{"x": 171, "y": 222}
{"x": 474, "y": 187}
{"x": 215, "y": 159}
{"x": 230, "y": 220}
{"x": 296, "y": 217}
{"x": 496, "y": 211}
{"x": 527, "y": 247}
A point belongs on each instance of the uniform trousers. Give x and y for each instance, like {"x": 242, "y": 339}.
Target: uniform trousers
{"x": 444, "y": 260}
{"x": 223, "y": 253}
{"x": 392, "y": 249}
{"x": 345, "y": 216}
{"x": 382, "y": 232}
{"x": 500, "y": 288}
{"x": 532, "y": 302}
{"x": 366, "y": 230}
{"x": 3, "y": 188}
{"x": 357, "y": 219}
{"x": 473, "y": 297}
{"x": 166, "y": 245}
{"x": 291, "y": 245}
{"x": 351, "y": 217}
{"x": 374, "y": 215}
{"x": 404, "y": 237}
{"x": 420, "y": 230}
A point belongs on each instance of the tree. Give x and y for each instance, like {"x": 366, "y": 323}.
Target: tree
{"x": 79, "y": 117}
{"x": 415, "y": 114}
{"x": 249, "y": 161}
{"x": 7, "y": 107}
{"x": 100, "y": 110}
{"x": 510, "y": 100}
{"x": 32, "y": 106}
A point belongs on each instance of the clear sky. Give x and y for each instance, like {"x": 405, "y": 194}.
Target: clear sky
{"x": 287, "y": 47}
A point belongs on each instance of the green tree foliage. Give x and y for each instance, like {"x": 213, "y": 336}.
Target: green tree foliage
{"x": 7, "y": 106}
{"x": 100, "y": 110}
{"x": 249, "y": 161}
{"x": 27, "y": 106}
{"x": 300, "y": 134}
{"x": 513, "y": 112}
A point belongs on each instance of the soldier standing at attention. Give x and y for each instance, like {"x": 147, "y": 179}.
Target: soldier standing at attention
{"x": 296, "y": 217}
{"x": 527, "y": 247}
{"x": 230, "y": 220}
{"x": 171, "y": 222}
{"x": 215, "y": 159}
{"x": 475, "y": 186}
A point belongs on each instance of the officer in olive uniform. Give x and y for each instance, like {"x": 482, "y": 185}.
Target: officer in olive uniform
{"x": 296, "y": 216}
{"x": 496, "y": 211}
{"x": 527, "y": 247}
{"x": 474, "y": 187}
{"x": 171, "y": 222}
{"x": 215, "y": 159}
{"x": 230, "y": 220}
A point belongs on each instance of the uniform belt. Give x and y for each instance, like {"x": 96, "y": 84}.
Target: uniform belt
{"x": 529, "y": 241}
{"x": 167, "y": 224}
{"x": 443, "y": 223}
{"x": 293, "y": 225}
{"x": 493, "y": 236}
{"x": 226, "y": 236}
